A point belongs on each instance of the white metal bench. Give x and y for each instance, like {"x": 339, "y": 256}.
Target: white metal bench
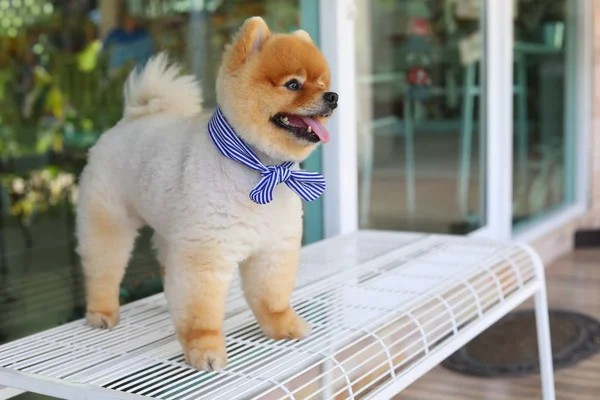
{"x": 385, "y": 309}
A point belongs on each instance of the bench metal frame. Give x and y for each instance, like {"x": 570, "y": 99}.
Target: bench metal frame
{"x": 385, "y": 309}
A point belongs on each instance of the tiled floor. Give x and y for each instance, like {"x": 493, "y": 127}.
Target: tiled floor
{"x": 573, "y": 284}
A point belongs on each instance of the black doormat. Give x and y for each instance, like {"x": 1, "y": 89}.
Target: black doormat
{"x": 509, "y": 348}
{"x": 587, "y": 239}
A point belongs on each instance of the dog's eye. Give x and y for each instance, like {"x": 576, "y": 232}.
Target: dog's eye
{"x": 293, "y": 85}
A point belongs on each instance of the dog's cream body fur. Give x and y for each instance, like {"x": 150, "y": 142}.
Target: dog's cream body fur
{"x": 163, "y": 170}
{"x": 159, "y": 167}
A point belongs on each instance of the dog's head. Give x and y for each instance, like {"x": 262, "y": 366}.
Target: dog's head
{"x": 274, "y": 91}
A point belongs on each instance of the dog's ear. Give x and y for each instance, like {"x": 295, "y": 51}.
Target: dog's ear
{"x": 249, "y": 39}
{"x": 302, "y": 35}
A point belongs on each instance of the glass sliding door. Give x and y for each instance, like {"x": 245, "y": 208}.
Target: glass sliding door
{"x": 545, "y": 80}
{"x": 421, "y": 136}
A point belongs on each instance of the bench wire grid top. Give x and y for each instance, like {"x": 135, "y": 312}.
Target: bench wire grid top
{"x": 379, "y": 304}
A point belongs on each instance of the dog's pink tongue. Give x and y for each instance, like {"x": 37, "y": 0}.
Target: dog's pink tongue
{"x": 318, "y": 128}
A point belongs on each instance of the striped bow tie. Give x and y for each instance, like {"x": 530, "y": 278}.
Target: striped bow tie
{"x": 308, "y": 185}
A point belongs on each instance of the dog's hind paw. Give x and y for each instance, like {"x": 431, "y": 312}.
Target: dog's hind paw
{"x": 103, "y": 320}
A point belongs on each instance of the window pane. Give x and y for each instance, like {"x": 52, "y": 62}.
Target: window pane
{"x": 545, "y": 65}
{"x": 420, "y": 116}
{"x": 62, "y": 68}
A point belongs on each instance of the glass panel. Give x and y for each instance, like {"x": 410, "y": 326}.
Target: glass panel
{"x": 62, "y": 67}
{"x": 421, "y": 148}
{"x": 545, "y": 67}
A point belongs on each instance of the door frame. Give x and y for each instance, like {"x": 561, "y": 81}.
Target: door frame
{"x": 313, "y": 211}
{"x": 340, "y": 154}
{"x": 498, "y": 103}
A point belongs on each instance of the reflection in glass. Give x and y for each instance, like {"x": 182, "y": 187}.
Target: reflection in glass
{"x": 545, "y": 55}
{"x": 420, "y": 119}
{"x": 62, "y": 68}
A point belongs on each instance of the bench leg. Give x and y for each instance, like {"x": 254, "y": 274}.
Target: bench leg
{"x": 544, "y": 344}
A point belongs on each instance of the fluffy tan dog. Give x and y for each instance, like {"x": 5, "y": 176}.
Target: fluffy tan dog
{"x": 159, "y": 167}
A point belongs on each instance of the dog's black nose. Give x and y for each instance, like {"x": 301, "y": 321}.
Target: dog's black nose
{"x": 331, "y": 98}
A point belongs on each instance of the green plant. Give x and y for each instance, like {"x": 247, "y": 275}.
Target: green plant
{"x": 38, "y": 192}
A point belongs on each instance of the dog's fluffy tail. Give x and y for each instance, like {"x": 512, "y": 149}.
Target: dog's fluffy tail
{"x": 160, "y": 87}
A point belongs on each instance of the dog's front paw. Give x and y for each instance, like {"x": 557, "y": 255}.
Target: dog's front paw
{"x": 206, "y": 352}
{"x": 285, "y": 325}
{"x": 104, "y": 320}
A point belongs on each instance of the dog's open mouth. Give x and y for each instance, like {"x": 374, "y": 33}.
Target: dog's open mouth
{"x": 305, "y": 127}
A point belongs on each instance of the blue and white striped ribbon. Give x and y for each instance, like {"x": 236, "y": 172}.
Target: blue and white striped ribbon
{"x": 308, "y": 185}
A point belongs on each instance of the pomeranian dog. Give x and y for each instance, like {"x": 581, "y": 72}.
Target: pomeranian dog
{"x": 160, "y": 166}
